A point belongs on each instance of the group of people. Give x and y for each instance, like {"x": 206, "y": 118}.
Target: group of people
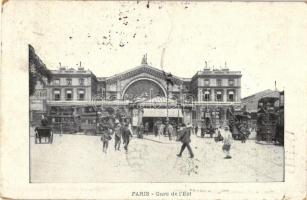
{"x": 121, "y": 132}
{"x": 166, "y": 129}
{"x": 222, "y": 134}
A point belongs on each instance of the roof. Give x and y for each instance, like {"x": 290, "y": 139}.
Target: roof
{"x": 141, "y": 69}
{"x": 217, "y": 72}
{"x": 173, "y": 112}
{"x": 264, "y": 93}
{"x": 159, "y": 100}
{"x": 251, "y": 102}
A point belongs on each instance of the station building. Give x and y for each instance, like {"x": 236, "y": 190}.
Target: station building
{"x": 148, "y": 94}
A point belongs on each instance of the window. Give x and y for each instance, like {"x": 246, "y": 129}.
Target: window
{"x": 207, "y": 82}
{"x": 81, "y": 81}
{"x": 56, "y": 119}
{"x": 56, "y": 82}
{"x": 218, "y": 96}
{"x": 206, "y": 96}
{"x": 231, "y": 82}
{"x": 68, "y": 95}
{"x": 57, "y": 95}
{"x": 80, "y": 95}
{"x": 68, "y": 81}
{"x": 230, "y": 96}
{"x": 218, "y": 82}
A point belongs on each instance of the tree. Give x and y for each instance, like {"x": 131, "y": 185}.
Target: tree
{"x": 37, "y": 70}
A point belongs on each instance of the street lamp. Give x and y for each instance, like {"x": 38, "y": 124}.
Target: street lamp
{"x": 150, "y": 94}
{"x": 168, "y": 78}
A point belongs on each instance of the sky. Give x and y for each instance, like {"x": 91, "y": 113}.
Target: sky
{"x": 260, "y": 40}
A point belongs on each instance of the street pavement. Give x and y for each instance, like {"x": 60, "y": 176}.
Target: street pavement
{"x": 79, "y": 158}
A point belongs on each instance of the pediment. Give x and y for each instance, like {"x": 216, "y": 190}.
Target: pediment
{"x": 141, "y": 70}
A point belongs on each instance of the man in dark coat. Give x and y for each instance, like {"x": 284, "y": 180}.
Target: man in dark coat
{"x": 184, "y": 137}
{"x": 44, "y": 121}
{"x": 126, "y": 137}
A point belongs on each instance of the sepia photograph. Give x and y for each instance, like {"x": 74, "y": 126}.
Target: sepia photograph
{"x": 100, "y": 111}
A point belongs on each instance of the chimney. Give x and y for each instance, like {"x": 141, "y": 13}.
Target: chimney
{"x": 226, "y": 68}
{"x": 61, "y": 67}
{"x": 80, "y": 68}
{"x": 206, "y": 66}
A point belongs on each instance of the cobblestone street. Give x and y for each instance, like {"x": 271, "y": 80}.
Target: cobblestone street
{"x": 79, "y": 158}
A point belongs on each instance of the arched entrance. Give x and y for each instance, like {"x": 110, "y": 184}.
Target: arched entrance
{"x": 143, "y": 88}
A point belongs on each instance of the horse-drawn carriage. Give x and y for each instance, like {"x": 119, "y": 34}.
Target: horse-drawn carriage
{"x": 238, "y": 123}
{"x": 43, "y": 132}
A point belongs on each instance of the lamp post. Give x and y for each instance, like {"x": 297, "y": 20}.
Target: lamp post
{"x": 167, "y": 88}
{"x": 150, "y": 94}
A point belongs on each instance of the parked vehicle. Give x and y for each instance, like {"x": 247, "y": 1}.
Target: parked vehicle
{"x": 43, "y": 132}
{"x": 267, "y": 119}
{"x": 238, "y": 123}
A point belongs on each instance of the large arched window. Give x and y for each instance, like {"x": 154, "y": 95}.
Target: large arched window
{"x": 143, "y": 89}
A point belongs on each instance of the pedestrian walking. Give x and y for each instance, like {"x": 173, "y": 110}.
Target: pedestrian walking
{"x": 105, "y": 138}
{"x": 169, "y": 130}
{"x": 161, "y": 129}
{"x": 126, "y": 137}
{"x": 227, "y": 141}
{"x": 146, "y": 128}
{"x": 184, "y": 138}
{"x": 155, "y": 128}
{"x": 117, "y": 135}
{"x": 140, "y": 131}
{"x": 129, "y": 127}
{"x": 196, "y": 129}
{"x": 203, "y": 129}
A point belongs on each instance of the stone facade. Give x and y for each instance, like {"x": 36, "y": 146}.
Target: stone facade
{"x": 72, "y": 85}
{"x": 116, "y": 87}
{"x": 207, "y": 94}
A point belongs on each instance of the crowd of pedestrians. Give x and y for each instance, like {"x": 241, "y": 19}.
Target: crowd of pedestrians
{"x": 122, "y": 133}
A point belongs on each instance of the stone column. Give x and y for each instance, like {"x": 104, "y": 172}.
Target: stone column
{"x": 212, "y": 95}
{"x": 225, "y": 95}
{"x": 199, "y": 95}
{"x": 238, "y": 94}
{"x": 75, "y": 94}
{"x": 118, "y": 90}
{"x": 63, "y": 94}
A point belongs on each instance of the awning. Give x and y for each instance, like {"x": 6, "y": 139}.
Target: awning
{"x": 162, "y": 112}
{"x": 81, "y": 91}
{"x": 68, "y": 91}
{"x": 218, "y": 92}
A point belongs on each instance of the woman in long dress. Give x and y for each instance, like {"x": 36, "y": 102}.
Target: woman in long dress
{"x": 227, "y": 141}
